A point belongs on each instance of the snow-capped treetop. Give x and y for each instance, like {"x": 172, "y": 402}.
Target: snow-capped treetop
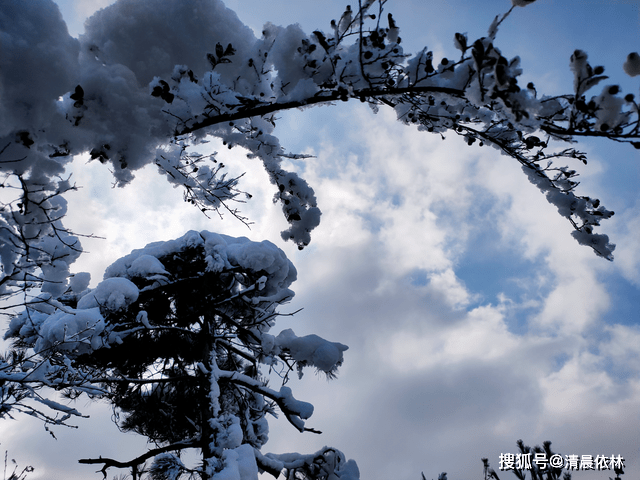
{"x": 143, "y": 266}
{"x": 221, "y": 252}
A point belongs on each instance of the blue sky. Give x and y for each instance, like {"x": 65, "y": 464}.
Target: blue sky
{"x": 473, "y": 318}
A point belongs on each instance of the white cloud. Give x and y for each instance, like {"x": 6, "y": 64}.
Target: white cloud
{"x": 628, "y": 238}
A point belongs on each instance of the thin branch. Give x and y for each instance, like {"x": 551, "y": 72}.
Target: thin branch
{"x": 109, "y": 462}
{"x": 324, "y": 97}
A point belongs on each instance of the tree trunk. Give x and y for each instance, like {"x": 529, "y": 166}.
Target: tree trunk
{"x": 210, "y": 409}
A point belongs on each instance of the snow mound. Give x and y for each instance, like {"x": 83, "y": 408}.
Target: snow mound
{"x": 221, "y": 252}
{"x": 313, "y": 350}
{"x": 114, "y": 294}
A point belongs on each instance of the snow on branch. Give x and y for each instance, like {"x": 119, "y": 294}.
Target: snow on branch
{"x": 476, "y": 96}
{"x": 232, "y": 87}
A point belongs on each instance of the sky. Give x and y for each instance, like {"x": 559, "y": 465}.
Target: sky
{"x": 473, "y": 318}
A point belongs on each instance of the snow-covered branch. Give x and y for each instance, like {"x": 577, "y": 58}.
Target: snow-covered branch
{"x": 233, "y": 91}
{"x": 477, "y": 97}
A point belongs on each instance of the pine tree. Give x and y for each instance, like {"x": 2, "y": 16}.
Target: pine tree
{"x": 176, "y": 338}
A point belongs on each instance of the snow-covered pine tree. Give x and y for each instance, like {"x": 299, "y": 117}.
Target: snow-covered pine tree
{"x": 176, "y": 337}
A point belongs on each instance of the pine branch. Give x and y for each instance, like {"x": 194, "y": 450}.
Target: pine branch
{"x": 109, "y": 462}
{"x": 324, "y": 97}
